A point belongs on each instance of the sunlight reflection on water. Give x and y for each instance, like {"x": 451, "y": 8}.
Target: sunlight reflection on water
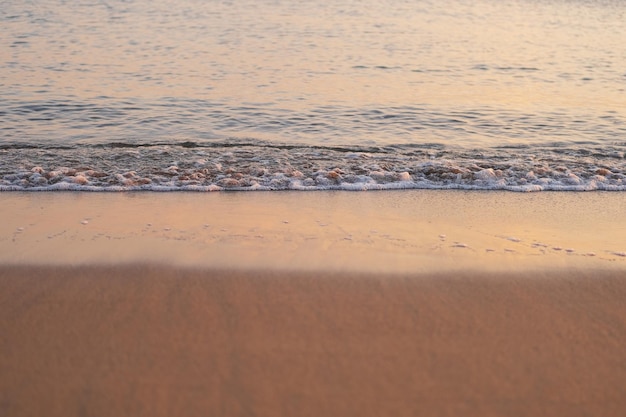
{"x": 466, "y": 73}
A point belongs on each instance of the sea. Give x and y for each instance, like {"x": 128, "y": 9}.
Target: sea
{"x": 208, "y": 95}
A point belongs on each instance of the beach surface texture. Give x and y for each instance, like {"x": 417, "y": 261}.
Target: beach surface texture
{"x": 401, "y": 303}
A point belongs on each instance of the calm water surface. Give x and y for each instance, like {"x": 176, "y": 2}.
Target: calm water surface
{"x": 116, "y": 95}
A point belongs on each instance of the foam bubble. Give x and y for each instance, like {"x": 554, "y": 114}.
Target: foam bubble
{"x": 485, "y": 174}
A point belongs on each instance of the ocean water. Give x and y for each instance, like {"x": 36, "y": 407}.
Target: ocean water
{"x": 522, "y": 95}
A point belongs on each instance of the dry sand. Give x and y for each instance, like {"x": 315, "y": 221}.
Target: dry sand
{"x": 158, "y": 341}
{"x": 320, "y": 304}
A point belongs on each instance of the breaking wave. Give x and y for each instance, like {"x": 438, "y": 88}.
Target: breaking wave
{"x": 240, "y": 165}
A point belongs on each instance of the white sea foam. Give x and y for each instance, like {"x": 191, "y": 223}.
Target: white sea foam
{"x": 256, "y": 167}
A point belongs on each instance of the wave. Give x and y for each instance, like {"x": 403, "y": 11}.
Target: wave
{"x": 105, "y": 119}
{"x": 252, "y": 165}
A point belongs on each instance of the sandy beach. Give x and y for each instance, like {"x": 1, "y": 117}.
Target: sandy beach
{"x": 391, "y": 231}
{"x": 281, "y": 304}
{"x": 313, "y": 208}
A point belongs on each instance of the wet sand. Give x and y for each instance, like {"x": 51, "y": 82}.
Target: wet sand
{"x": 281, "y": 304}
{"x": 403, "y": 231}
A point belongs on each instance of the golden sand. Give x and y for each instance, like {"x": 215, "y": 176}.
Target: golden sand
{"x": 404, "y": 231}
{"x": 157, "y": 341}
{"x": 312, "y": 304}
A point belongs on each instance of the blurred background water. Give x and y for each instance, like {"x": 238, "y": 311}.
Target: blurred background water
{"x": 357, "y": 74}
{"x": 469, "y": 73}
